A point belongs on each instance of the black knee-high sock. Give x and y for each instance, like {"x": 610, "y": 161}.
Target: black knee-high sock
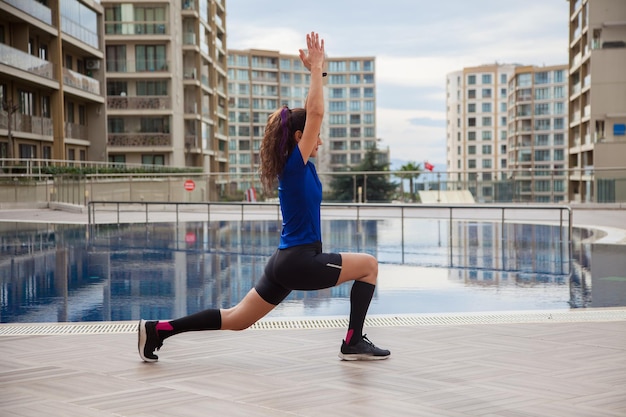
{"x": 210, "y": 319}
{"x": 360, "y": 297}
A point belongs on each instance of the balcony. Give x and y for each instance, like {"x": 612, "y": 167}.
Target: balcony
{"x": 139, "y": 103}
{"x": 137, "y": 28}
{"x": 75, "y": 131}
{"x": 140, "y": 140}
{"x": 33, "y": 8}
{"x": 26, "y": 62}
{"x": 127, "y": 66}
{"x": 27, "y": 124}
{"x": 80, "y": 81}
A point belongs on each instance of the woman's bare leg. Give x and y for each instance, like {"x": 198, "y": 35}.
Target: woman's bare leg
{"x": 249, "y": 310}
{"x": 358, "y": 267}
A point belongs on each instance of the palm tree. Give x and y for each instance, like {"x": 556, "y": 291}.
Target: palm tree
{"x": 412, "y": 172}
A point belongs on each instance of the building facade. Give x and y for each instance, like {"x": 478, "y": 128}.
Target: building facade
{"x": 166, "y": 83}
{"x": 351, "y": 113}
{"x": 537, "y": 134}
{"x": 597, "y": 100}
{"x": 476, "y": 131}
{"x": 51, "y": 82}
{"x": 261, "y": 81}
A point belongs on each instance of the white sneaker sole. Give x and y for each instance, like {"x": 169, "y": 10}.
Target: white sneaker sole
{"x": 360, "y": 357}
{"x": 141, "y": 342}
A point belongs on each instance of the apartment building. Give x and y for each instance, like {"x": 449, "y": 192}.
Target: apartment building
{"x": 51, "y": 81}
{"x": 537, "y": 133}
{"x": 166, "y": 83}
{"x": 261, "y": 81}
{"x": 597, "y": 100}
{"x": 351, "y": 113}
{"x": 476, "y": 131}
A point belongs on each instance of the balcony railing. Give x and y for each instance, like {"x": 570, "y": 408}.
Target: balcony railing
{"x": 137, "y": 28}
{"x": 76, "y": 131}
{"x": 83, "y": 82}
{"x": 139, "y": 103}
{"x": 27, "y": 124}
{"x": 34, "y": 9}
{"x": 21, "y": 60}
{"x": 140, "y": 139}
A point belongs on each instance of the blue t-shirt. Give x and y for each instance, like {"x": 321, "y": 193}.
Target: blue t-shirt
{"x": 300, "y": 195}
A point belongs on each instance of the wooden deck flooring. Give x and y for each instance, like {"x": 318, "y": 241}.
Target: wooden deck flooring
{"x": 543, "y": 369}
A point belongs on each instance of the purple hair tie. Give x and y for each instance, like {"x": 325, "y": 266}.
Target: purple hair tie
{"x": 284, "y": 125}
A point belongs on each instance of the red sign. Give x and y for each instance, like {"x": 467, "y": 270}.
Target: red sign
{"x": 190, "y": 185}
{"x": 190, "y": 238}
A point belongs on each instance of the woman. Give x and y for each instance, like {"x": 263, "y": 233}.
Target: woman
{"x": 291, "y": 139}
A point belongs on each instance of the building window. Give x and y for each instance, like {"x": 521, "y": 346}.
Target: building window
{"x": 542, "y": 77}
{"x": 471, "y": 121}
{"x": 558, "y": 155}
{"x": 486, "y": 78}
{"x": 486, "y": 93}
{"x": 471, "y": 94}
{"x": 153, "y": 159}
{"x": 559, "y": 124}
{"x": 150, "y": 58}
{"x": 116, "y": 58}
{"x": 471, "y": 79}
{"x": 486, "y": 149}
{"x": 337, "y": 132}
{"x": 337, "y": 93}
{"x": 486, "y": 121}
{"x": 486, "y": 107}
{"x": 542, "y": 155}
{"x": 116, "y": 88}
{"x": 337, "y": 106}
{"x": 152, "y": 88}
{"x": 471, "y": 107}
{"x": 337, "y": 66}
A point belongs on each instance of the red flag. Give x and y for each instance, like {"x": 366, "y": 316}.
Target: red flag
{"x": 429, "y": 166}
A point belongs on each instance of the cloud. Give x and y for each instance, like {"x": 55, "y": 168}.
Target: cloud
{"x": 410, "y": 141}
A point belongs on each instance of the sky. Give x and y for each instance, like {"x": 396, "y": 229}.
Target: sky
{"x": 416, "y": 43}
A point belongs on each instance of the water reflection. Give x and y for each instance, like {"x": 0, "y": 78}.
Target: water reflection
{"x": 59, "y": 273}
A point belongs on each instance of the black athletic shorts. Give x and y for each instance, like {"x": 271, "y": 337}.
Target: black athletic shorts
{"x": 302, "y": 267}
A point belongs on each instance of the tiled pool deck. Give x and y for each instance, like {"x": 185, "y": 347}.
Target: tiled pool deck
{"x": 500, "y": 364}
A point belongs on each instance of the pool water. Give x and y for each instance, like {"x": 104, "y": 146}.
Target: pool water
{"x": 67, "y": 273}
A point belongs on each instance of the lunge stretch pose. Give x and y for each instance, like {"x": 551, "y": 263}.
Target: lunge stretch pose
{"x": 291, "y": 139}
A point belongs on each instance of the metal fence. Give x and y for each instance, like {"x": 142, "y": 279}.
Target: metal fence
{"x": 32, "y": 181}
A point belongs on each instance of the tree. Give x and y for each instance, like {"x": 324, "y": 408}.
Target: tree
{"x": 412, "y": 172}
{"x": 375, "y": 185}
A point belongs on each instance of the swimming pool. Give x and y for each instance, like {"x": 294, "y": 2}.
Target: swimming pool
{"x": 69, "y": 273}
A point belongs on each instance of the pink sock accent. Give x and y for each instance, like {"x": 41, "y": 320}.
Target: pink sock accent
{"x": 164, "y": 325}
{"x": 349, "y": 336}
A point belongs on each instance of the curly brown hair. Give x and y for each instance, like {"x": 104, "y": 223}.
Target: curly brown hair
{"x": 278, "y": 144}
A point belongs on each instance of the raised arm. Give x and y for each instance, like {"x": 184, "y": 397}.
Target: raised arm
{"x": 314, "y": 104}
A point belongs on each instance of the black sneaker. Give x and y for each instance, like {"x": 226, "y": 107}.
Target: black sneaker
{"x": 149, "y": 340}
{"x": 363, "y": 350}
